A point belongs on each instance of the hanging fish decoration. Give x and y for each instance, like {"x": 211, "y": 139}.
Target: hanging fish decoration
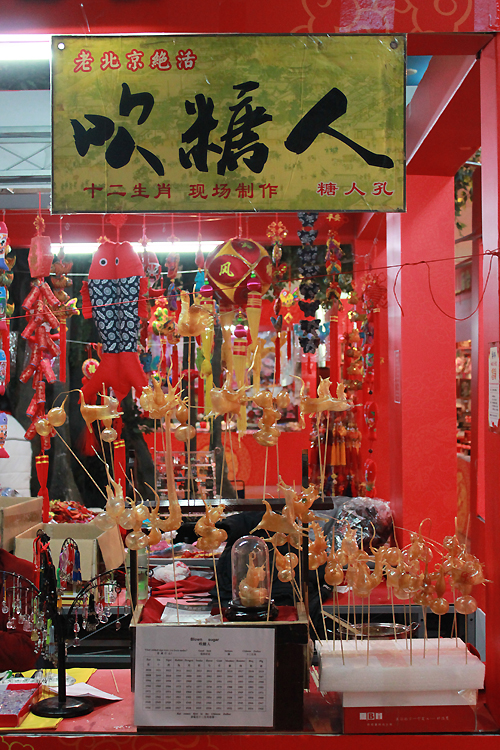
{"x": 114, "y": 296}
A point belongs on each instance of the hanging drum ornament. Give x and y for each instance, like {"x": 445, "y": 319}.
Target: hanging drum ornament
{"x": 230, "y": 266}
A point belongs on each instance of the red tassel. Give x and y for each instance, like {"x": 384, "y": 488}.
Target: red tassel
{"x": 42, "y": 472}
{"x": 174, "y": 359}
{"x": 289, "y": 344}
{"x": 277, "y": 359}
{"x": 334, "y": 355}
{"x": 62, "y": 350}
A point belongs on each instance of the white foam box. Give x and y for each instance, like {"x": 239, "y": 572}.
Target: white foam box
{"x": 99, "y": 550}
{"x": 411, "y": 698}
{"x": 397, "y": 666}
{"x": 16, "y": 515}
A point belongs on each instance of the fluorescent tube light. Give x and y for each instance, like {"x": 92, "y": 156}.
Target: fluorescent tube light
{"x": 16, "y": 47}
{"x": 89, "y": 248}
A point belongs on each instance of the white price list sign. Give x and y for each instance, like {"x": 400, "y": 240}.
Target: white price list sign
{"x": 204, "y": 676}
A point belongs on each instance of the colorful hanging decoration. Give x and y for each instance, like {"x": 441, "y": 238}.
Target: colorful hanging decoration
{"x": 67, "y": 307}
{"x": 7, "y": 263}
{"x": 162, "y": 324}
{"x": 204, "y": 359}
{"x": 309, "y": 271}
{"x": 333, "y": 263}
{"x": 373, "y": 299}
{"x": 152, "y": 272}
{"x": 276, "y": 232}
{"x": 114, "y": 296}
{"x": 231, "y": 266}
{"x": 240, "y": 272}
{"x": 3, "y": 434}
{"x": 39, "y": 306}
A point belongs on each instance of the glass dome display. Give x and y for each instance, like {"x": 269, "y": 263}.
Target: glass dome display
{"x": 251, "y": 581}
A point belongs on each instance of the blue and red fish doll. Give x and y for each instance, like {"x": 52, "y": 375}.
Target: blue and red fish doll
{"x": 114, "y": 296}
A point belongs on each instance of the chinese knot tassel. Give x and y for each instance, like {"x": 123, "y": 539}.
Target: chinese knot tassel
{"x": 174, "y": 360}
{"x": 42, "y": 472}
{"x": 277, "y": 359}
{"x": 62, "y": 352}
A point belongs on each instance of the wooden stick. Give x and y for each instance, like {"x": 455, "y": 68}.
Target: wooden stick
{"x": 223, "y": 456}
{"x": 217, "y": 587}
{"x": 424, "y": 614}
{"x": 114, "y": 680}
{"x": 341, "y": 640}
{"x": 232, "y": 461}
{"x": 278, "y": 465}
{"x": 269, "y": 601}
{"x": 466, "y": 638}
{"x": 293, "y": 589}
{"x": 299, "y": 555}
{"x": 321, "y": 475}
{"x": 368, "y": 633}
{"x": 455, "y": 623}
{"x": 321, "y": 603}
{"x": 297, "y": 589}
{"x": 411, "y": 633}
{"x": 362, "y": 617}
{"x": 188, "y": 445}
{"x": 83, "y": 467}
{"x": 439, "y": 636}
{"x": 265, "y": 474}
{"x": 344, "y": 623}
{"x": 349, "y": 593}
{"x": 154, "y": 451}
{"x": 393, "y": 613}
{"x": 174, "y": 576}
{"x": 326, "y": 448}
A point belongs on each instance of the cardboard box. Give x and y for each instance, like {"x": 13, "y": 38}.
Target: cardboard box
{"x": 99, "y": 550}
{"x": 16, "y": 515}
{"x": 405, "y": 719}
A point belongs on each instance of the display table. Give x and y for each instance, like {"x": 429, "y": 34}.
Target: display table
{"x": 111, "y": 726}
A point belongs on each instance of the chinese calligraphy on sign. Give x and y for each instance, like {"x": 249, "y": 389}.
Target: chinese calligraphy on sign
{"x": 242, "y": 125}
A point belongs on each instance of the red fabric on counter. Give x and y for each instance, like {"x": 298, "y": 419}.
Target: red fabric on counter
{"x": 16, "y": 647}
{"x": 185, "y": 586}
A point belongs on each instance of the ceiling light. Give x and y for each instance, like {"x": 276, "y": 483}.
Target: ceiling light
{"x": 16, "y": 47}
{"x": 183, "y": 248}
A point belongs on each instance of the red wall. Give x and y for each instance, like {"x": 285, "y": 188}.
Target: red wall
{"x": 237, "y": 16}
{"x": 423, "y": 423}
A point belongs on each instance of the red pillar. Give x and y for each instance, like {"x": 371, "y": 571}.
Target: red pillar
{"x": 489, "y": 323}
{"x": 421, "y": 383}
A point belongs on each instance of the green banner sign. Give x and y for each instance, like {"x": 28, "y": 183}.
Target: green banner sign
{"x": 228, "y": 123}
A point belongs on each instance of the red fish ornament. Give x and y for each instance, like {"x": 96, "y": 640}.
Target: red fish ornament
{"x": 114, "y": 297}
